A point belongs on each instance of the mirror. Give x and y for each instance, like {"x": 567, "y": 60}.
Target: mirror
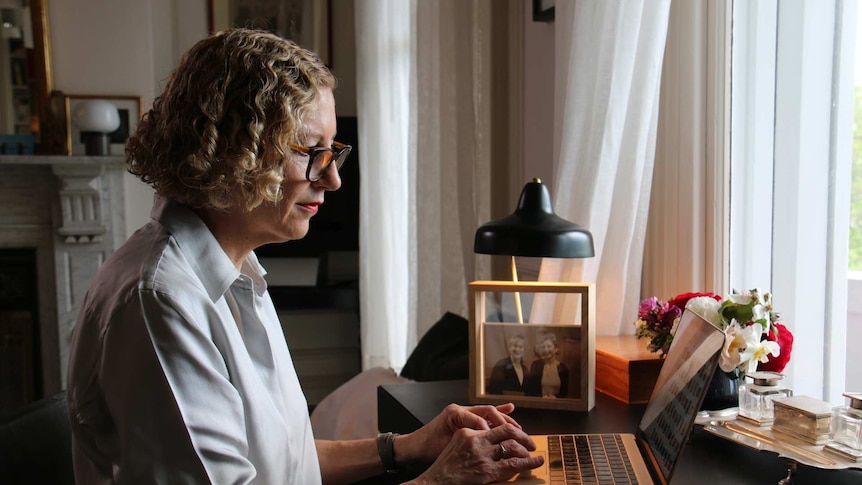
{"x": 26, "y": 79}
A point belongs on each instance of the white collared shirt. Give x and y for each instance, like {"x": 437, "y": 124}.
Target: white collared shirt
{"x": 179, "y": 371}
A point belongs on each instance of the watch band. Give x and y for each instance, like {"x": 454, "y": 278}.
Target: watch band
{"x": 386, "y": 450}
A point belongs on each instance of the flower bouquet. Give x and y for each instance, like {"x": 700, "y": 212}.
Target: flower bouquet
{"x": 754, "y": 337}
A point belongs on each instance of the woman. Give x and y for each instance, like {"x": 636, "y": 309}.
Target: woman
{"x": 549, "y": 377}
{"x": 507, "y": 376}
{"x": 179, "y": 371}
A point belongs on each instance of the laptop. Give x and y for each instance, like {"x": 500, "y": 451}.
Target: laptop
{"x": 650, "y": 454}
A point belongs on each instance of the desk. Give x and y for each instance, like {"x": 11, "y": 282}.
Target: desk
{"x": 707, "y": 459}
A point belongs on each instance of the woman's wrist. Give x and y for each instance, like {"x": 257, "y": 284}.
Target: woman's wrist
{"x": 413, "y": 448}
{"x": 402, "y": 449}
{"x": 417, "y": 481}
{"x": 386, "y": 451}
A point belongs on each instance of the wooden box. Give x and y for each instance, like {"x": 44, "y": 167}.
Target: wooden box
{"x": 625, "y": 369}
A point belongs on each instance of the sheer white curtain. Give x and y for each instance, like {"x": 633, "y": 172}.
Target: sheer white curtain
{"x": 609, "y": 61}
{"x": 687, "y": 245}
{"x": 424, "y": 115}
{"x": 384, "y": 56}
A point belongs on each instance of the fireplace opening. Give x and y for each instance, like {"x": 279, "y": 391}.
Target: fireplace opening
{"x": 20, "y": 353}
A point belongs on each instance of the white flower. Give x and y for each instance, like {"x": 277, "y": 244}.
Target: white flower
{"x": 760, "y": 313}
{"x": 675, "y": 324}
{"x": 763, "y": 297}
{"x": 743, "y": 298}
{"x": 764, "y": 349}
{"x": 707, "y": 308}
{"x": 733, "y": 341}
{"x": 740, "y": 345}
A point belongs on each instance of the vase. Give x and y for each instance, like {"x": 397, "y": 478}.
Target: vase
{"x": 723, "y": 390}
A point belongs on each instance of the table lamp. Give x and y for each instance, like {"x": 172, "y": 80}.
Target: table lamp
{"x": 533, "y": 230}
{"x": 96, "y": 118}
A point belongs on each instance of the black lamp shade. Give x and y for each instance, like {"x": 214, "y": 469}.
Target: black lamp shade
{"x": 534, "y": 230}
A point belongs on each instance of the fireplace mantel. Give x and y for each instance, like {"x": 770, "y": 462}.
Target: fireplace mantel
{"x": 71, "y": 210}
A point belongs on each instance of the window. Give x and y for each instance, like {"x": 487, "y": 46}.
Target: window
{"x": 854, "y": 280}
{"x": 791, "y": 138}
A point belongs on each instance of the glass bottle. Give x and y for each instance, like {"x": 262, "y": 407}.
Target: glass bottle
{"x": 846, "y": 425}
{"x": 755, "y": 398}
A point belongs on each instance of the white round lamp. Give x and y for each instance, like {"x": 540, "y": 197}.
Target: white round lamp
{"x": 96, "y": 118}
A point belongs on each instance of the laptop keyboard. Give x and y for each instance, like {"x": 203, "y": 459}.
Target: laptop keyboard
{"x": 593, "y": 459}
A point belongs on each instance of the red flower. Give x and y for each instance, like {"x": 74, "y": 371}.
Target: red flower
{"x": 785, "y": 343}
{"x": 680, "y": 300}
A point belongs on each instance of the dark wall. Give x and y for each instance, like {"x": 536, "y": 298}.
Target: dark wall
{"x": 336, "y": 226}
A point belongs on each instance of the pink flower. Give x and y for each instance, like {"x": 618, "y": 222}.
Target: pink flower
{"x": 648, "y": 308}
{"x": 668, "y": 315}
{"x": 754, "y": 338}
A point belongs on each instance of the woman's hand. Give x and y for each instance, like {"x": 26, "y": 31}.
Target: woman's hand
{"x": 476, "y": 457}
{"x": 476, "y": 444}
{"x": 426, "y": 443}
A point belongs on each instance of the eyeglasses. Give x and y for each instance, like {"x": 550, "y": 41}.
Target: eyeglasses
{"x": 319, "y": 158}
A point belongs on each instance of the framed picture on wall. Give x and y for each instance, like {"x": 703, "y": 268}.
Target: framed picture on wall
{"x": 306, "y": 22}
{"x": 543, "y": 10}
{"x": 130, "y": 109}
{"x": 540, "y": 363}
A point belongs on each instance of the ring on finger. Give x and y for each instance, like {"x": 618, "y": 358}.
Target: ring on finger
{"x": 503, "y": 451}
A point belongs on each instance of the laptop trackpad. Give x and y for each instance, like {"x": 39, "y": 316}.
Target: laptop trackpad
{"x": 537, "y": 476}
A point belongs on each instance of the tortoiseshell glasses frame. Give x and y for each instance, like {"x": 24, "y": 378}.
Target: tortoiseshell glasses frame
{"x": 320, "y": 158}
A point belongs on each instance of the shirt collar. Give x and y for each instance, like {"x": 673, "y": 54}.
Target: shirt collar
{"x": 205, "y": 255}
{"x": 252, "y": 268}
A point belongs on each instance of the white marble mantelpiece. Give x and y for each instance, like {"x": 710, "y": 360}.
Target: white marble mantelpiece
{"x": 71, "y": 210}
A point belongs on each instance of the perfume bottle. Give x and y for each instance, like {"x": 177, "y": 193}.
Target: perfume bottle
{"x": 846, "y": 426}
{"x": 755, "y": 398}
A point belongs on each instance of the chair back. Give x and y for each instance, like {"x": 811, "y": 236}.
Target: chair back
{"x": 36, "y": 444}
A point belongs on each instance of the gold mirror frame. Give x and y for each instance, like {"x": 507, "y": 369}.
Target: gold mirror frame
{"x": 51, "y": 139}
{"x": 49, "y": 133}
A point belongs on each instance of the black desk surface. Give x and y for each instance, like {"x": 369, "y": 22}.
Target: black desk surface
{"x": 707, "y": 459}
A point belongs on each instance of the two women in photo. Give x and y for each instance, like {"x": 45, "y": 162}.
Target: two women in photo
{"x": 546, "y": 376}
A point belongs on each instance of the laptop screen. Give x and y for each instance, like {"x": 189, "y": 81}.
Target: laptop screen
{"x": 679, "y": 391}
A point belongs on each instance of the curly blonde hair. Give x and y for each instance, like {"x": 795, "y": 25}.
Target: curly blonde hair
{"x": 218, "y": 135}
{"x": 545, "y": 338}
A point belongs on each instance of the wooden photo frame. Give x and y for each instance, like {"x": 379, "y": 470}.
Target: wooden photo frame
{"x": 496, "y": 336}
{"x": 130, "y": 108}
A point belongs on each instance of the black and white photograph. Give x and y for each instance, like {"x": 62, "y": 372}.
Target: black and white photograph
{"x": 524, "y": 351}
{"x": 540, "y": 361}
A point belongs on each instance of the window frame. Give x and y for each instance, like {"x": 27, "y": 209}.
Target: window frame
{"x": 712, "y": 202}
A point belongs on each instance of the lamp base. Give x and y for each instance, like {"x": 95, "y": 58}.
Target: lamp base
{"x": 96, "y": 143}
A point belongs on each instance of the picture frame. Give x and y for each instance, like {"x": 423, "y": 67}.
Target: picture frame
{"x": 565, "y": 347}
{"x": 130, "y": 108}
{"x": 306, "y": 22}
{"x": 543, "y": 10}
